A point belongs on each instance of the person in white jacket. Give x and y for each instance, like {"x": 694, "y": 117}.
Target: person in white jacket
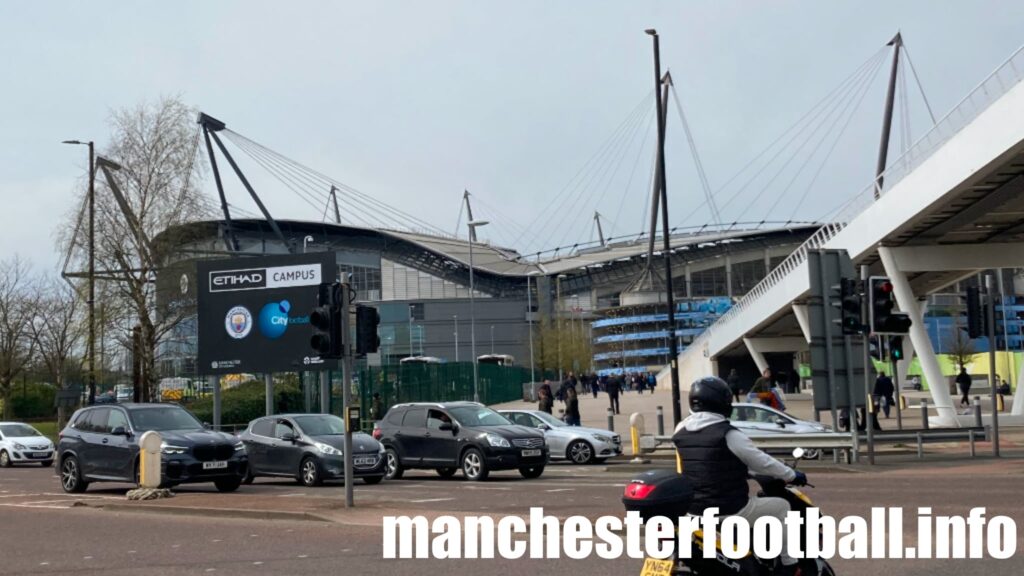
{"x": 718, "y": 459}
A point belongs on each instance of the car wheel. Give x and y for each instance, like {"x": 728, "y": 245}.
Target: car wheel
{"x": 474, "y": 467}
{"x": 580, "y": 452}
{"x": 310, "y": 473}
{"x": 5, "y": 459}
{"x": 46, "y": 464}
{"x": 71, "y": 476}
{"x": 447, "y": 471}
{"x": 373, "y": 479}
{"x": 812, "y": 454}
{"x": 392, "y": 465}
{"x": 248, "y": 476}
{"x": 227, "y": 484}
{"x": 532, "y": 472}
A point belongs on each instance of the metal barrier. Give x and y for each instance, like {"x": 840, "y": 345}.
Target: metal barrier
{"x": 829, "y": 441}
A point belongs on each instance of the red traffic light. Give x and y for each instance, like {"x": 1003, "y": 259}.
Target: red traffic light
{"x": 885, "y": 287}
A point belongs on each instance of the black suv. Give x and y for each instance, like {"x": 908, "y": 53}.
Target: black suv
{"x": 101, "y": 444}
{"x": 453, "y": 435}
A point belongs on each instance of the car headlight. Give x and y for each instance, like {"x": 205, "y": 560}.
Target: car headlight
{"x": 171, "y": 449}
{"x": 602, "y": 438}
{"x": 328, "y": 449}
{"x": 498, "y": 441}
{"x": 19, "y": 446}
{"x": 239, "y": 446}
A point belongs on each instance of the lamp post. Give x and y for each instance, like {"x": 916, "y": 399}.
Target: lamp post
{"x": 492, "y": 339}
{"x": 529, "y": 312}
{"x": 90, "y": 303}
{"x": 412, "y": 351}
{"x": 473, "y": 225}
{"x": 306, "y": 241}
{"x": 455, "y": 320}
{"x": 677, "y": 414}
{"x": 558, "y": 317}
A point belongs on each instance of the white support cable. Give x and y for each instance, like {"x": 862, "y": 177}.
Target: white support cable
{"x": 920, "y": 87}
{"x": 708, "y": 194}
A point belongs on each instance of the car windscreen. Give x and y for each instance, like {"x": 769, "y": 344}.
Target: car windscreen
{"x": 548, "y": 419}
{"x": 18, "y": 431}
{"x": 477, "y": 416}
{"x": 321, "y": 425}
{"x": 163, "y": 418}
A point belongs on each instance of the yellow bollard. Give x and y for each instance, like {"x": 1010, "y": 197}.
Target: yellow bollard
{"x": 149, "y": 460}
{"x": 903, "y": 402}
{"x": 679, "y": 463}
{"x": 636, "y": 429}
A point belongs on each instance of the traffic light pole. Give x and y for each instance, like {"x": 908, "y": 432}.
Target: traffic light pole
{"x": 990, "y": 313}
{"x": 869, "y": 406}
{"x": 346, "y": 392}
{"x": 899, "y": 395}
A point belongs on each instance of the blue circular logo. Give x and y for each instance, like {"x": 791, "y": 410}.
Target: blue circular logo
{"x": 274, "y": 319}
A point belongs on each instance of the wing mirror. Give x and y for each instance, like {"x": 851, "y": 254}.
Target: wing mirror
{"x": 544, "y": 427}
{"x": 446, "y": 426}
{"x": 288, "y": 437}
{"x": 120, "y": 431}
{"x": 781, "y": 422}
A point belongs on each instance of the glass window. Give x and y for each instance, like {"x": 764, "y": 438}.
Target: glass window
{"x": 98, "y": 420}
{"x": 415, "y": 418}
{"x": 394, "y": 417}
{"x": 281, "y": 428}
{"x": 163, "y": 418}
{"x": 435, "y": 418}
{"x": 117, "y": 419}
{"x": 263, "y": 427}
{"x": 18, "y": 431}
{"x": 321, "y": 425}
{"x": 478, "y": 416}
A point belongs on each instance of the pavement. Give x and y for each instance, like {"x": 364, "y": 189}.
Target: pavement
{"x": 280, "y": 527}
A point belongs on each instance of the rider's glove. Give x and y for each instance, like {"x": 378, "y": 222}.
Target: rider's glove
{"x": 800, "y": 480}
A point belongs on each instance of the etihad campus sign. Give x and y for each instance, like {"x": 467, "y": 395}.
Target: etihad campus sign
{"x": 254, "y": 312}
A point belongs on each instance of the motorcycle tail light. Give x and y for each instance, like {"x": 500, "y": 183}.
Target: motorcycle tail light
{"x": 637, "y": 491}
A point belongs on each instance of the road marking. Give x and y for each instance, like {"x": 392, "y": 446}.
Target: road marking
{"x": 487, "y": 488}
{"x": 561, "y": 490}
{"x": 257, "y": 563}
{"x": 431, "y": 500}
{"x": 303, "y": 556}
{"x": 300, "y": 494}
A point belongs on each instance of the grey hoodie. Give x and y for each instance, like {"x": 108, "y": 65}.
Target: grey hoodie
{"x": 739, "y": 444}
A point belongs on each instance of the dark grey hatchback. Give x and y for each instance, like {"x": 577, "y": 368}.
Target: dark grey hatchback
{"x": 101, "y": 444}
{"x": 309, "y": 448}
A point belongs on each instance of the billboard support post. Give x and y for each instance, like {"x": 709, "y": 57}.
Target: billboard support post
{"x": 214, "y": 383}
{"x": 346, "y": 392}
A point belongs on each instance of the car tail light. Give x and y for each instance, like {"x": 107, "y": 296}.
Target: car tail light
{"x": 637, "y": 491}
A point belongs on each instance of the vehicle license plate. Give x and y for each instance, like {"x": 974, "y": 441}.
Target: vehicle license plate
{"x": 528, "y": 453}
{"x": 219, "y": 465}
{"x": 654, "y": 567}
{"x": 39, "y": 454}
{"x": 365, "y": 461}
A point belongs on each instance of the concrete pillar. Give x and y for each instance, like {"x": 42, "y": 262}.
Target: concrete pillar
{"x": 689, "y": 281}
{"x": 268, "y": 384}
{"x": 755, "y": 353}
{"x": 1018, "y": 395}
{"x": 325, "y": 392}
{"x": 728, "y": 275}
{"x": 803, "y": 319}
{"x": 908, "y": 304}
{"x": 767, "y": 261}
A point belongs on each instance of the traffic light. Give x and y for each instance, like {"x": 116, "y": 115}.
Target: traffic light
{"x": 881, "y": 301}
{"x": 367, "y": 320}
{"x": 326, "y": 322}
{"x": 895, "y": 348}
{"x": 850, "y": 306}
{"x": 975, "y": 313}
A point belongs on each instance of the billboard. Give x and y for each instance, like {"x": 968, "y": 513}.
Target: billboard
{"x": 253, "y": 313}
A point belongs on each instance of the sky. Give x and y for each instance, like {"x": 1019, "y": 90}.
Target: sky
{"x": 518, "y": 102}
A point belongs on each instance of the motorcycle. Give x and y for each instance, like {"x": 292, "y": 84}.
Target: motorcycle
{"x": 667, "y": 493}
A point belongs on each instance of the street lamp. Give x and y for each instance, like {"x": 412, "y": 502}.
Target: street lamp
{"x": 90, "y": 303}
{"x": 492, "y": 339}
{"x": 558, "y": 317}
{"x": 473, "y": 225}
{"x": 455, "y": 319}
{"x": 529, "y": 312}
{"x": 412, "y": 351}
{"x": 305, "y": 241}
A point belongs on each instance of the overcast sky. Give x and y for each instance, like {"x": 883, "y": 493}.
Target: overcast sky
{"x": 412, "y": 102}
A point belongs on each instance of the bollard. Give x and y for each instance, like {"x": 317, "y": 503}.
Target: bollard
{"x": 661, "y": 421}
{"x": 924, "y": 414}
{"x": 636, "y": 429}
{"x": 977, "y": 412}
{"x": 920, "y": 446}
{"x": 611, "y": 420}
{"x": 149, "y": 459}
{"x": 970, "y": 437}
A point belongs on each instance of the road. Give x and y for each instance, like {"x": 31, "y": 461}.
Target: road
{"x": 43, "y": 531}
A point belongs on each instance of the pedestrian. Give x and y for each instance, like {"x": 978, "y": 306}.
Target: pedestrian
{"x": 613, "y": 393}
{"x": 376, "y": 408}
{"x": 594, "y": 387}
{"x": 761, "y": 391}
{"x": 572, "y": 408}
{"x": 545, "y": 402}
{"x": 638, "y": 381}
{"x": 883, "y": 392}
{"x": 1002, "y": 386}
{"x": 652, "y": 381}
{"x": 733, "y": 379}
{"x": 963, "y": 380}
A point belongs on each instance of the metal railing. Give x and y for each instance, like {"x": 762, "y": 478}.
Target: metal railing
{"x": 995, "y": 85}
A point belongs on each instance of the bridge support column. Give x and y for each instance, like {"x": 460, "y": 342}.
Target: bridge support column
{"x": 919, "y": 337}
{"x": 759, "y": 346}
{"x": 755, "y": 353}
{"x": 803, "y": 319}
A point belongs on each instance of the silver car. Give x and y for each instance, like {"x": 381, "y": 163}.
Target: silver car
{"x": 574, "y": 443}
{"x": 758, "y": 420}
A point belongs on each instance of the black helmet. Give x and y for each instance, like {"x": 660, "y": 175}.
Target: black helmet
{"x": 711, "y": 394}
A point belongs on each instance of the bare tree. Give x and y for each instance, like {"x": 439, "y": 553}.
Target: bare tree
{"x": 155, "y": 145}
{"x": 17, "y": 307}
{"x": 58, "y": 329}
{"x": 960, "y": 347}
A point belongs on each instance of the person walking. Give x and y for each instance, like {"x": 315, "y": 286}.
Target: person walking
{"x": 544, "y": 400}
{"x": 572, "y": 408}
{"x": 963, "y": 380}
{"x": 594, "y": 387}
{"x": 733, "y": 379}
{"x": 376, "y": 408}
{"x": 613, "y": 393}
{"x": 652, "y": 381}
{"x": 883, "y": 392}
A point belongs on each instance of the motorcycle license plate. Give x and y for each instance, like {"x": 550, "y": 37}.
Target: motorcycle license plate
{"x": 528, "y": 453}
{"x": 219, "y": 465}
{"x": 654, "y": 567}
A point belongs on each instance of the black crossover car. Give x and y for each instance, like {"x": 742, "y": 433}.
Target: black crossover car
{"x": 467, "y": 435}
{"x": 309, "y": 448}
{"x": 101, "y": 444}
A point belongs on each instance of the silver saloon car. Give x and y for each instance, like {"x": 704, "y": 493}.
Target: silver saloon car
{"x": 573, "y": 443}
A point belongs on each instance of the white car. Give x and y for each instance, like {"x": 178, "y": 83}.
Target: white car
{"x": 574, "y": 443}
{"x": 23, "y": 444}
{"x": 758, "y": 419}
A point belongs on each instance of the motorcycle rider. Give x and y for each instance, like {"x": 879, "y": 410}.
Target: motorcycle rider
{"x": 717, "y": 459}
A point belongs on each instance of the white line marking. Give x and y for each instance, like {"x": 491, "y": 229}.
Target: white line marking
{"x": 562, "y": 490}
{"x": 431, "y": 500}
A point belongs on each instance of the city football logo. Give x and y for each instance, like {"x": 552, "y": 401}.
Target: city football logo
{"x": 274, "y": 319}
{"x": 238, "y": 322}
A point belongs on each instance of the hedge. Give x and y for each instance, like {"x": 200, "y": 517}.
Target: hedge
{"x": 247, "y": 401}
{"x": 33, "y": 400}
